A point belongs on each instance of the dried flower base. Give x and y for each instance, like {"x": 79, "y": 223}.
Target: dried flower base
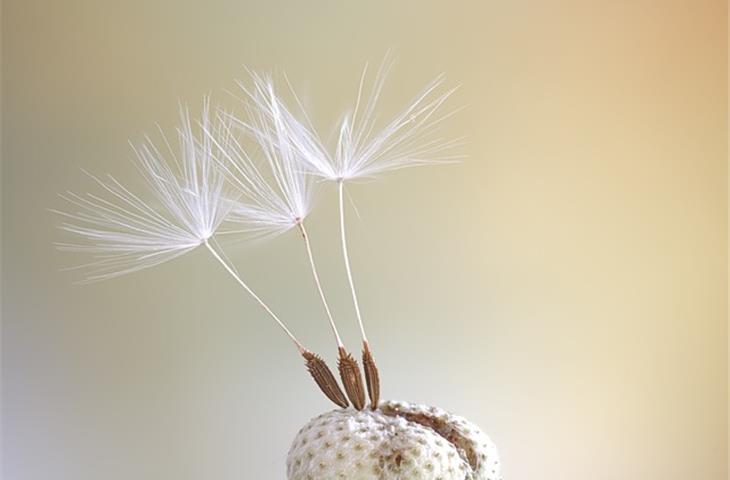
{"x": 397, "y": 441}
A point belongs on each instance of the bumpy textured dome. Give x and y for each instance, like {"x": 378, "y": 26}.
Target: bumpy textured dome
{"x": 398, "y": 441}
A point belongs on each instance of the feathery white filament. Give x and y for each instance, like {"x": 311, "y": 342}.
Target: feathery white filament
{"x": 126, "y": 233}
{"x": 262, "y": 210}
{"x": 363, "y": 149}
{"x": 273, "y": 203}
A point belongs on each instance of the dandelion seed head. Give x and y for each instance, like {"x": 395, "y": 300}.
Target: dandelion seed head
{"x": 186, "y": 201}
{"x": 275, "y": 193}
{"x": 364, "y": 146}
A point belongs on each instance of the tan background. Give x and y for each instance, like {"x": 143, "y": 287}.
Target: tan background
{"x": 565, "y": 288}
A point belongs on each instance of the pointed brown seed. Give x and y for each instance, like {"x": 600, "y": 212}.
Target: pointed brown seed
{"x": 325, "y": 379}
{"x": 372, "y": 377}
{"x": 352, "y": 379}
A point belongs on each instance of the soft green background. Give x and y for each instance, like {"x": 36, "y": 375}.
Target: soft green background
{"x": 565, "y": 287}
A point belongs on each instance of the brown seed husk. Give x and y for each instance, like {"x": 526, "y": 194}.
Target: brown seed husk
{"x": 372, "y": 377}
{"x": 352, "y": 379}
{"x": 324, "y": 378}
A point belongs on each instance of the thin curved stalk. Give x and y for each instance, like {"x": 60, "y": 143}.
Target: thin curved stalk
{"x": 230, "y": 270}
{"x": 372, "y": 377}
{"x": 343, "y": 237}
{"x": 319, "y": 284}
{"x": 317, "y": 368}
{"x": 347, "y": 365}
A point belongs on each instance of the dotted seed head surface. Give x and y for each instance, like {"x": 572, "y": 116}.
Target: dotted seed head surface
{"x": 398, "y": 441}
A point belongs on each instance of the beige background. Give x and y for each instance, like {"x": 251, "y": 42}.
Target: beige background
{"x": 565, "y": 288}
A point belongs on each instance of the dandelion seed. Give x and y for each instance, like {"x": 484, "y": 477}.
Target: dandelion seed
{"x": 363, "y": 150}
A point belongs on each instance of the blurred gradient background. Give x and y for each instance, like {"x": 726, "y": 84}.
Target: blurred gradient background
{"x": 565, "y": 287}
